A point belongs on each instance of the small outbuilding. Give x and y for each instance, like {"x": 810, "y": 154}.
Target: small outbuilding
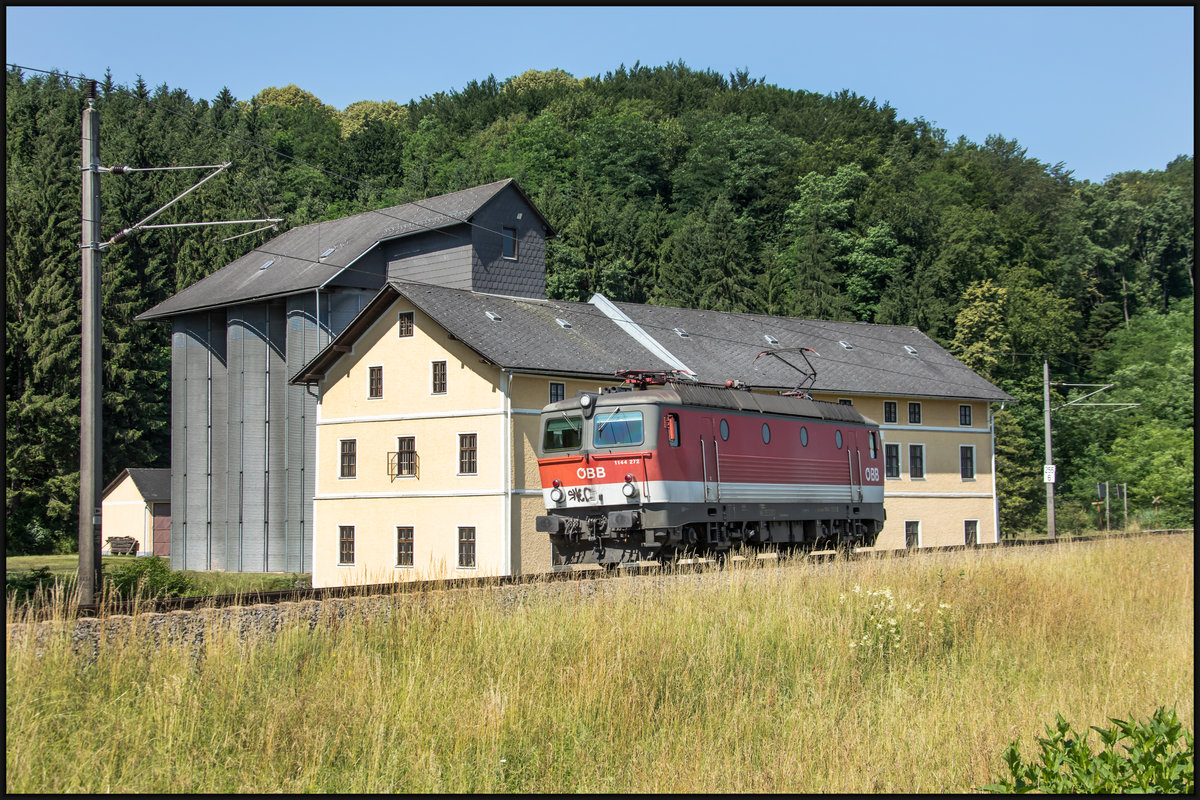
{"x": 137, "y": 505}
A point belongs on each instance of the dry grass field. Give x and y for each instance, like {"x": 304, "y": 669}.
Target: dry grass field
{"x": 885, "y": 675}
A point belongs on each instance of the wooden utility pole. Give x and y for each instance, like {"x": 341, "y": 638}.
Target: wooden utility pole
{"x": 90, "y": 420}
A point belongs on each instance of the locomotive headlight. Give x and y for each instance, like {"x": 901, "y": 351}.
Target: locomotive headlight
{"x": 585, "y": 400}
{"x": 556, "y": 494}
{"x": 629, "y": 490}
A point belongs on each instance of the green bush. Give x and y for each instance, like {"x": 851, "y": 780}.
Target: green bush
{"x": 147, "y": 578}
{"x": 1159, "y": 757}
{"x": 25, "y": 584}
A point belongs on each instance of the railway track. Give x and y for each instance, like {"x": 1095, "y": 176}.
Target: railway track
{"x": 593, "y": 573}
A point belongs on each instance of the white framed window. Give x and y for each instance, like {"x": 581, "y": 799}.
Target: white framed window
{"x": 889, "y": 412}
{"x": 404, "y": 546}
{"x": 966, "y": 462}
{"x": 375, "y": 382}
{"x": 406, "y": 324}
{"x": 891, "y": 461}
{"x": 916, "y": 462}
{"x": 345, "y": 545}
{"x": 468, "y": 454}
{"x": 558, "y": 391}
{"x": 406, "y": 457}
{"x": 437, "y": 370}
{"x": 912, "y": 533}
{"x": 964, "y": 416}
{"x": 509, "y": 243}
{"x": 970, "y": 532}
{"x": 914, "y": 413}
{"x": 466, "y": 548}
{"x": 348, "y": 463}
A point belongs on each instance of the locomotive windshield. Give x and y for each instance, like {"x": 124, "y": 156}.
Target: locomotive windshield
{"x": 617, "y": 428}
{"x": 563, "y": 433}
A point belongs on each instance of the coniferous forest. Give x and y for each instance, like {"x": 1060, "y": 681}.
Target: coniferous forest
{"x": 667, "y": 185}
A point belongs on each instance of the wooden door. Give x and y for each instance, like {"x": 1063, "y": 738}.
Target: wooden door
{"x": 162, "y": 529}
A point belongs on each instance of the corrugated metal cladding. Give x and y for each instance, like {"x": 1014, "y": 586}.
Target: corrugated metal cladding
{"x": 197, "y": 357}
{"x": 304, "y": 341}
{"x": 243, "y": 440}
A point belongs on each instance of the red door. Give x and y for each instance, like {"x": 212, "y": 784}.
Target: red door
{"x": 162, "y": 529}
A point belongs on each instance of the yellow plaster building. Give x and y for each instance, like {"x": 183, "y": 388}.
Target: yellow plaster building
{"x": 428, "y": 420}
{"x": 137, "y": 504}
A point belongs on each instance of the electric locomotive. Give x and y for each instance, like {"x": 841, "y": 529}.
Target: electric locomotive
{"x": 654, "y": 472}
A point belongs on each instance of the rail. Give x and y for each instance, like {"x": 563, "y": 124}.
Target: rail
{"x": 161, "y": 605}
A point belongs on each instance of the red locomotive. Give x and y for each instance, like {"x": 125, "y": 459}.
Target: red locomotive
{"x": 633, "y": 474}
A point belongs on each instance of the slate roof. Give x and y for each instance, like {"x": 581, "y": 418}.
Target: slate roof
{"x": 297, "y": 265}
{"x": 154, "y": 485}
{"x": 720, "y": 346}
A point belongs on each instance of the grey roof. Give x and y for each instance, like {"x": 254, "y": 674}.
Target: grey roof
{"x": 724, "y": 346}
{"x": 153, "y": 484}
{"x": 720, "y": 346}
{"x": 295, "y": 256}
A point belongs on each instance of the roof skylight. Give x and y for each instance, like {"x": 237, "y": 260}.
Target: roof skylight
{"x": 493, "y": 316}
{"x": 327, "y": 252}
{"x": 908, "y": 348}
{"x": 562, "y": 322}
{"x": 681, "y": 333}
{"x": 846, "y": 345}
{"x": 267, "y": 264}
{"x": 770, "y": 339}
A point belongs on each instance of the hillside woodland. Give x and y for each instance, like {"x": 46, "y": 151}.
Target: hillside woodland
{"x": 666, "y": 185}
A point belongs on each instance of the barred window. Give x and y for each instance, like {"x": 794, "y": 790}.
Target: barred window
{"x": 558, "y": 391}
{"x": 916, "y": 461}
{"x": 966, "y": 460}
{"x": 439, "y": 377}
{"x": 914, "y": 413}
{"x": 406, "y": 455}
{"x": 404, "y": 546}
{"x": 406, "y": 324}
{"x": 964, "y": 416}
{"x": 467, "y": 454}
{"x": 889, "y": 412}
{"x": 375, "y": 383}
{"x": 349, "y": 458}
{"x": 346, "y": 544}
{"x": 466, "y": 547}
{"x": 891, "y": 459}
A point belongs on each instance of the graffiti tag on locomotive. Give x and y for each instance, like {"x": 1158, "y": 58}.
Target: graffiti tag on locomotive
{"x": 678, "y": 469}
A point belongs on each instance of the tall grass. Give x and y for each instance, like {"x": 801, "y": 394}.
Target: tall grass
{"x": 739, "y": 680}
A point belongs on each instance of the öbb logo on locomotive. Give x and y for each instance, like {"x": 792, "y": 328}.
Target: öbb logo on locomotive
{"x": 655, "y": 470}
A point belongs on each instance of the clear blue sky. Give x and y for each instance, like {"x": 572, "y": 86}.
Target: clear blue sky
{"x": 1103, "y": 90}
